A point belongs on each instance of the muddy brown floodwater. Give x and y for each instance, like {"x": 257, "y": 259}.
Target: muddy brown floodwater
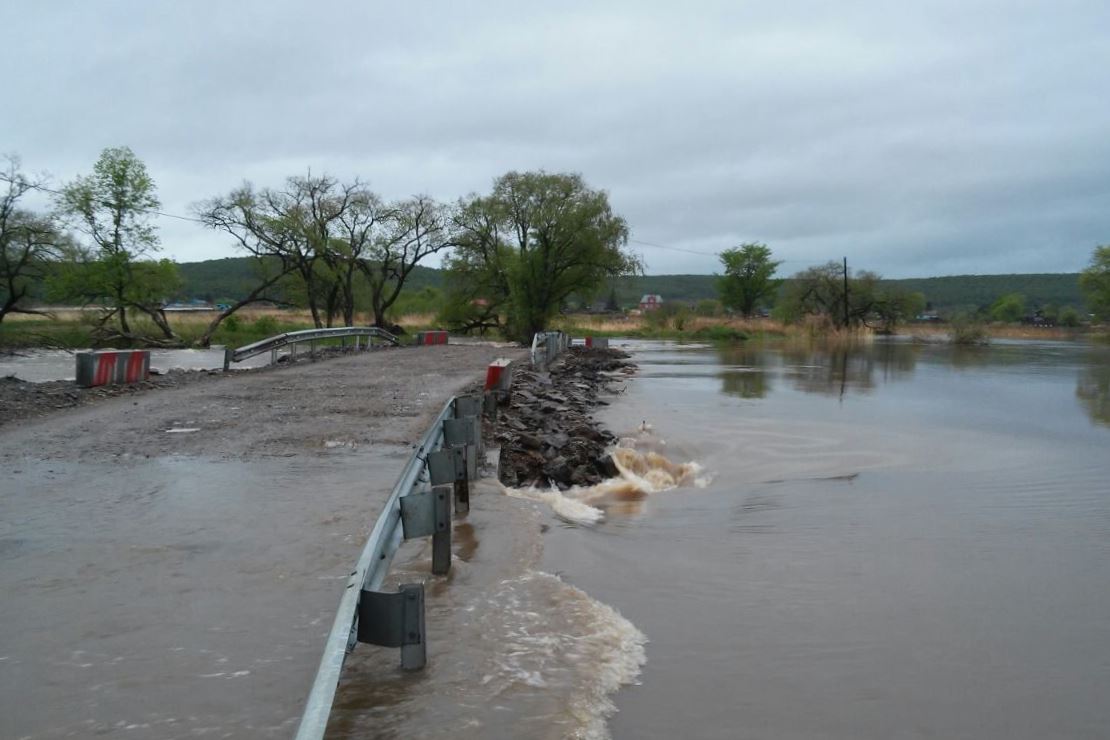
{"x": 171, "y": 561}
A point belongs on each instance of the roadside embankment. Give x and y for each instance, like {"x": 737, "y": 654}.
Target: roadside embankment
{"x": 547, "y": 433}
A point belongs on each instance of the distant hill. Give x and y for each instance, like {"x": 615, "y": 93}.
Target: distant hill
{"x": 219, "y": 280}
{"x": 942, "y": 293}
{"x": 973, "y": 291}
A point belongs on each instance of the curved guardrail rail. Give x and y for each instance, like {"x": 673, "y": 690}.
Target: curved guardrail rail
{"x": 419, "y": 505}
{"x": 272, "y": 344}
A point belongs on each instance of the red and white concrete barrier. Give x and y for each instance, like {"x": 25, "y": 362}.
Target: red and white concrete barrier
{"x": 596, "y": 342}
{"x": 431, "y": 337}
{"x": 499, "y": 375}
{"x": 115, "y": 367}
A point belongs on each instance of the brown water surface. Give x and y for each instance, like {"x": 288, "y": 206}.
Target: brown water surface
{"x": 897, "y": 540}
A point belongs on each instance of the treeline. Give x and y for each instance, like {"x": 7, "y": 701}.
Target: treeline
{"x": 536, "y": 244}
{"x": 222, "y": 280}
{"x": 514, "y": 256}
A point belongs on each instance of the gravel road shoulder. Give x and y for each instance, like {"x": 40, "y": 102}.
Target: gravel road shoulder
{"x": 305, "y": 408}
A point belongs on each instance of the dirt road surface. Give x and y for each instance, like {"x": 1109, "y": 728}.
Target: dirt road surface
{"x": 171, "y": 561}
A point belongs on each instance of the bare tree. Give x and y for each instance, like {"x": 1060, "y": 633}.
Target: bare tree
{"x": 327, "y": 233}
{"x": 28, "y": 243}
{"x": 412, "y": 230}
{"x": 300, "y": 225}
{"x": 359, "y": 229}
{"x": 269, "y": 243}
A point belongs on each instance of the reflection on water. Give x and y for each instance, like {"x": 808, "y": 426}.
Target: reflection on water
{"x": 1093, "y": 391}
{"x": 750, "y": 371}
{"x": 813, "y": 368}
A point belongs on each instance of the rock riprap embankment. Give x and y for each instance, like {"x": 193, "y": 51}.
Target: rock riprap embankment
{"x": 547, "y": 433}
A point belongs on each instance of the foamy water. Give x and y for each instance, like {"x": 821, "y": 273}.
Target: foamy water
{"x": 644, "y": 470}
{"x": 513, "y": 651}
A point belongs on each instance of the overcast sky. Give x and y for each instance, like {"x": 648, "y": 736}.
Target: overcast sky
{"x": 916, "y": 139}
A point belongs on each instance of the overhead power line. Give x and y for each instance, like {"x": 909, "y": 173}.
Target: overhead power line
{"x": 674, "y": 249}
{"x": 705, "y": 254}
{"x": 154, "y": 211}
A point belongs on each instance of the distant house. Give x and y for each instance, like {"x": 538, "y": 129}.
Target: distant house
{"x": 651, "y": 301}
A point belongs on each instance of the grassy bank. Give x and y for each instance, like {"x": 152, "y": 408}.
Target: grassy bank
{"x": 699, "y": 328}
{"x": 702, "y": 328}
{"x": 75, "y": 329}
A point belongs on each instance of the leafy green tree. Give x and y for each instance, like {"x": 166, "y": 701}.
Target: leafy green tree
{"x": 1008, "y": 308}
{"x": 816, "y": 291}
{"x": 1095, "y": 283}
{"x": 1068, "y": 317}
{"x": 28, "y": 242}
{"x": 892, "y": 306}
{"x": 523, "y": 250}
{"x": 114, "y": 207}
{"x": 820, "y": 291}
{"x": 749, "y": 277}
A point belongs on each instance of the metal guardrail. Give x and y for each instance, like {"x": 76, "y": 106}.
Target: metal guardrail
{"x": 292, "y": 338}
{"x": 419, "y": 505}
{"x": 547, "y": 345}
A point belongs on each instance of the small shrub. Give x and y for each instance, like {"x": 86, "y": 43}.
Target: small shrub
{"x": 680, "y": 319}
{"x": 232, "y": 323}
{"x": 966, "y": 332}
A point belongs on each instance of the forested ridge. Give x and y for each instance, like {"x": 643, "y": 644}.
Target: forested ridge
{"x": 221, "y": 279}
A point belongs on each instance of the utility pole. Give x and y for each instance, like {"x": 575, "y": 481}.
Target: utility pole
{"x": 845, "y": 292}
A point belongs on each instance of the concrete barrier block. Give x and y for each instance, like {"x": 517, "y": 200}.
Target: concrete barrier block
{"x": 499, "y": 375}
{"x": 431, "y": 337}
{"x": 112, "y": 367}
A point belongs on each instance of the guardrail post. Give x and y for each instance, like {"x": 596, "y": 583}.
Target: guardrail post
{"x": 426, "y": 513}
{"x": 455, "y": 465}
{"x": 395, "y": 620}
{"x": 414, "y": 653}
{"x": 228, "y": 354}
{"x": 441, "y": 538}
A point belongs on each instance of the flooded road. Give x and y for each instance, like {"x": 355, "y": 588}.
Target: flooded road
{"x": 127, "y": 588}
{"x": 171, "y": 561}
{"x": 897, "y": 541}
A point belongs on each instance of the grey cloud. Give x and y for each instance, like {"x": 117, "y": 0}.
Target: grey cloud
{"x": 917, "y": 139}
